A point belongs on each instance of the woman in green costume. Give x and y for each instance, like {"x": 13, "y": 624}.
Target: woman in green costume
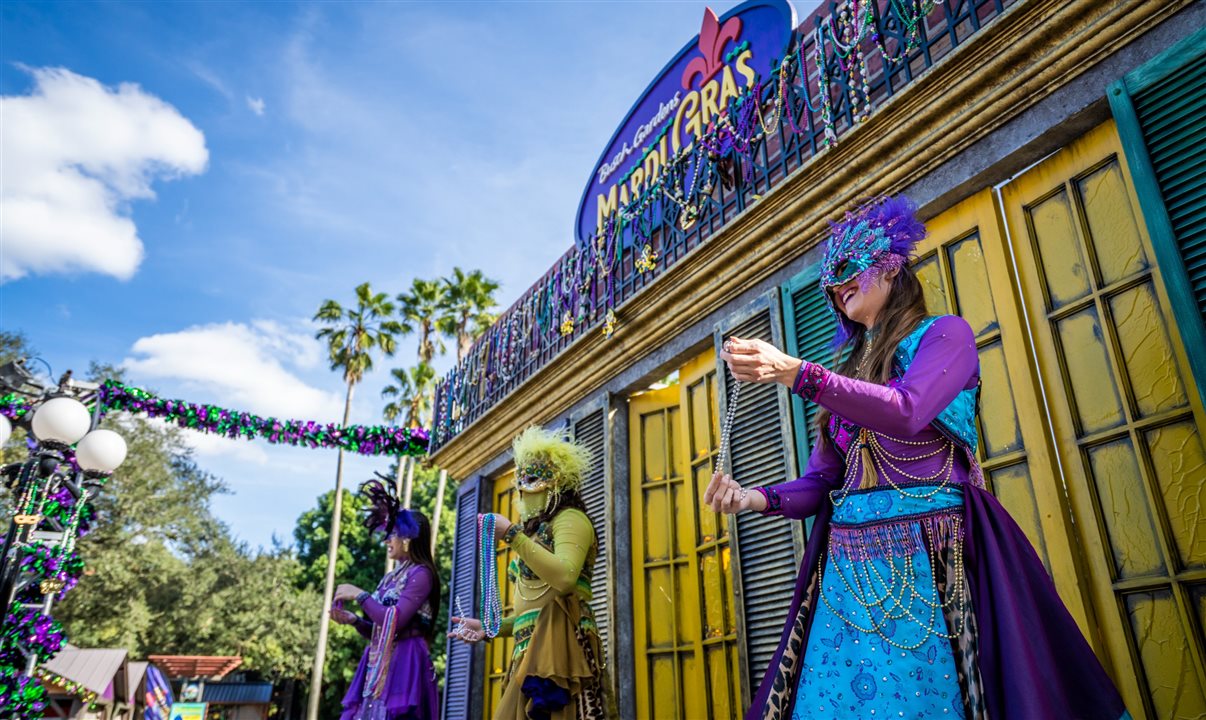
{"x": 556, "y": 669}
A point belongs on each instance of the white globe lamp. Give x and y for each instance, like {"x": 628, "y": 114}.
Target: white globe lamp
{"x": 101, "y": 451}
{"x": 62, "y": 419}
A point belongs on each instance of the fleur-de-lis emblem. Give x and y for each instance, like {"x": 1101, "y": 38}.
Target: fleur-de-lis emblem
{"x": 712, "y": 39}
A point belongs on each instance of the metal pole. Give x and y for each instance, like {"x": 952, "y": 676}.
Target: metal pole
{"x": 12, "y": 539}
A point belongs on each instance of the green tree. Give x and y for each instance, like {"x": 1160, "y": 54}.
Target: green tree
{"x": 422, "y": 308}
{"x": 359, "y": 561}
{"x": 410, "y": 394}
{"x": 13, "y": 346}
{"x": 469, "y": 308}
{"x": 352, "y": 335}
{"x": 164, "y": 576}
{"x": 361, "y": 557}
{"x": 412, "y": 390}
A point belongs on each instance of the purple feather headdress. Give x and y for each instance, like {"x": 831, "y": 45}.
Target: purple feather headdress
{"x": 877, "y": 238}
{"x": 385, "y": 513}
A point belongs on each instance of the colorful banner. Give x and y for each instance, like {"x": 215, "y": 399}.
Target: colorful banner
{"x": 188, "y": 711}
{"x": 158, "y": 698}
{"x": 726, "y": 59}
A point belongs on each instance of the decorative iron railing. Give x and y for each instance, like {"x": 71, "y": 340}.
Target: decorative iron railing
{"x": 837, "y": 68}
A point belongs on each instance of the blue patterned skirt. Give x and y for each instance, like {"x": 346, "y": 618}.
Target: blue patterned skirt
{"x": 893, "y": 598}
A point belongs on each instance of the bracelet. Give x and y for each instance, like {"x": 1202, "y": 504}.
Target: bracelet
{"x": 811, "y": 380}
{"x": 511, "y": 532}
{"x": 362, "y": 597}
{"x": 774, "y": 503}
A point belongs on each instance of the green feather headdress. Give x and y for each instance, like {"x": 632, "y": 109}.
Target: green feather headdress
{"x": 548, "y": 459}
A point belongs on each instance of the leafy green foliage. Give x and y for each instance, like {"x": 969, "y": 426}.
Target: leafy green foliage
{"x": 353, "y": 333}
{"x": 361, "y": 562}
{"x": 468, "y": 308}
{"x": 164, "y": 576}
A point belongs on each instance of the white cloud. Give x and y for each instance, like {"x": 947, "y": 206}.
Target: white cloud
{"x": 242, "y": 366}
{"x": 75, "y": 153}
{"x": 256, "y": 105}
{"x": 242, "y": 451}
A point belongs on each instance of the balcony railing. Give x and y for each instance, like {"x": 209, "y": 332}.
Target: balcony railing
{"x": 737, "y": 161}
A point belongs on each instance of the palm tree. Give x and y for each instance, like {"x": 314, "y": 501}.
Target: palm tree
{"x": 412, "y": 393}
{"x": 424, "y": 308}
{"x": 352, "y": 335}
{"x": 469, "y": 306}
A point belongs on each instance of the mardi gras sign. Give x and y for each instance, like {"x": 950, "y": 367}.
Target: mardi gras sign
{"x": 730, "y": 54}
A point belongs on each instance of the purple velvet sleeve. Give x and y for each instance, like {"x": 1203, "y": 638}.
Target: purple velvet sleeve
{"x": 946, "y": 363}
{"x": 418, "y": 585}
{"x": 801, "y": 498}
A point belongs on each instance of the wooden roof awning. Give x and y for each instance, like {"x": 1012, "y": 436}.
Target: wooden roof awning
{"x": 213, "y": 667}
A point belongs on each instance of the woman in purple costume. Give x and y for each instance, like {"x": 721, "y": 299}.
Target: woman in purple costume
{"x": 918, "y": 595}
{"x": 395, "y": 679}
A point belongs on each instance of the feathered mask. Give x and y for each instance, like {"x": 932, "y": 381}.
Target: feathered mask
{"x": 875, "y": 239}
{"x": 547, "y": 459}
{"x": 385, "y": 513}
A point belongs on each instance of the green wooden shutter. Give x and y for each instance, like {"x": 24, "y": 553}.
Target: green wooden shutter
{"x": 810, "y": 327}
{"x": 460, "y": 685}
{"x": 1160, "y": 110}
{"x": 765, "y": 560}
{"x": 590, "y": 431}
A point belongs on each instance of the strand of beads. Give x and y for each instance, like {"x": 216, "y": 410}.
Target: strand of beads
{"x": 491, "y": 603}
{"x": 462, "y": 628}
{"x": 894, "y": 601}
{"x": 726, "y": 431}
{"x": 883, "y": 460}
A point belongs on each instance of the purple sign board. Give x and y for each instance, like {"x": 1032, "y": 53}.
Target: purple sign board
{"x": 730, "y": 55}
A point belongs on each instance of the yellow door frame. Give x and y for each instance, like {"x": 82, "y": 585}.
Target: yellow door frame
{"x": 498, "y": 650}
{"x": 1061, "y": 173}
{"x": 978, "y": 216}
{"x": 669, "y": 619}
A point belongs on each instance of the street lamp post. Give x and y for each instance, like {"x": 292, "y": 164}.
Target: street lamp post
{"x": 59, "y": 420}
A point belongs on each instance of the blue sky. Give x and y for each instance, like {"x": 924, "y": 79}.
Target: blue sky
{"x": 184, "y": 183}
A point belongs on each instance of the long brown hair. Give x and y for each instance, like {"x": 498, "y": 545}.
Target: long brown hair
{"x": 903, "y": 311}
{"x": 419, "y": 551}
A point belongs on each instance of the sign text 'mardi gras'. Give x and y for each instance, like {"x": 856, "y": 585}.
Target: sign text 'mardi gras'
{"x": 729, "y": 55}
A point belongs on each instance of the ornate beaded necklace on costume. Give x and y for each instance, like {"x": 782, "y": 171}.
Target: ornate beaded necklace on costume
{"x": 892, "y": 597}
{"x": 491, "y": 610}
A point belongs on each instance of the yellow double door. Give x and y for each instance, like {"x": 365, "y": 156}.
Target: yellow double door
{"x": 1091, "y": 438}
{"x": 1091, "y": 427}
{"x": 684, "y": 620}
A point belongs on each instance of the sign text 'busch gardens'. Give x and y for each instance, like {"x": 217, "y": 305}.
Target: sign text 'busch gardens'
{"x": 729, "y": 55}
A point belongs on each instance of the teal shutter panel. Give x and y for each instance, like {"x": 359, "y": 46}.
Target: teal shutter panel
{"x": 590, "y": 432}
{"x": 766, "y": 553}
{"x": 810, "y": 328}
{"x": 1160, "y": 110}
{"x": 1172, "y": 115}
{"x": 460, "y": 686}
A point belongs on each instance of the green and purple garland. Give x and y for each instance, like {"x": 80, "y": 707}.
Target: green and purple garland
{"x": 21, "y": 697}
{"x": 29, "y": 631}
{"x": 38, "y": 634}
{"x": 53, "y": 563}
{"x": 361, "y": 439}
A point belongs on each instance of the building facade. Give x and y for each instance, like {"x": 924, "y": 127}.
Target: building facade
{"x": 1055, "y": 149}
